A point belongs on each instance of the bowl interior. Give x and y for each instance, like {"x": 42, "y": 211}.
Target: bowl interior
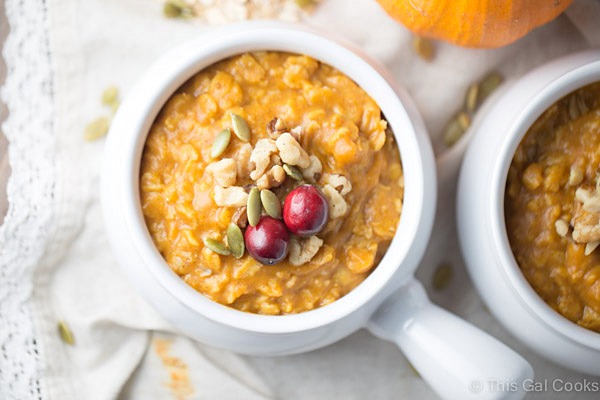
{"x": 171, "y": 71}
{"x": 561, "y": 87}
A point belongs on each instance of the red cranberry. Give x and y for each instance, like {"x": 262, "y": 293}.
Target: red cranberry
{"x": 305, "y": 210}
{"x": 267, "y": 242}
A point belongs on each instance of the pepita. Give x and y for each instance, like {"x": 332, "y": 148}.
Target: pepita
{"x": 292, "y": 172}
{"x": 240, "y": 127}
{"x": 110, "y": 96}
{"x": 464, "y": 120}
{"x": 423, "y": 47}
{"x": 235, "y": 240}
{"x": 271, "y": 203}
{"x": 472, "y": 98}
{"x": 220, "y": 144}
{"x": 65, "y": 333}
{"x": 254, "y": 207}
{"x": 304, "y": 3}
{"x": 453, "y": 132}
{"x": 96, "y": 129}
{"x": 177, "y": 9}
{"x": 217, "y": 247}
{"x": 488, "y": 84}
{"x": 442, "y": 277}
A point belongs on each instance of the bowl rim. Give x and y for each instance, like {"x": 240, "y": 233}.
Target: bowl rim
{"x": 147, "y": 97}
{"x": 559, "y": 87}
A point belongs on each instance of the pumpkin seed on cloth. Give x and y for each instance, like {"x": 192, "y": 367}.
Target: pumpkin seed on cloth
{"x": 254, "y": 207}
{"x": 96, "y": 129}
{"x": 453, "y": 132}
{"x": 472, "y": 98}
{"x": 442, "y": 277}
{"x": 271, "y": 203}
{"x": 110, "y": 96}
{"x": 217, "y": 247}
{"x": 65, "y": 333}
{"x": 293, "y": 172}
{"x": 240, "y": 127}
{"x": 177, "y": 9}
{"x": 489, "y": 84}
{"x": 424, "y": 48}
{"x": 235, "y": 240}
{"x": 220, "y": 143}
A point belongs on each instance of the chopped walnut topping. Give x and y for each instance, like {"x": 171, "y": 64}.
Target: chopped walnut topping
{"x": 224, "y": 172}
{"x": 590, "y": 247}
{"x": 276, "y": 127}
{"x": 291, "y": 152}
{"x": 586, "y": 225}
{"x": 234, "y": 196}
{"x": 273, "y": 178}
{"x": 240, "y": 218}
{"x": 562, "y": 227}
{"x": 297, "y": 133}
{"x": 575, "y": 176}
{"x": 243, "y": 160}
{"x": 261, "y": 157}
{"x": 303, "y": 250}
{"x": 339, "y": 182}
{"x": 313, "y": 172}
{"x": 337, "y": 205}
{"x": 589, "y": 198}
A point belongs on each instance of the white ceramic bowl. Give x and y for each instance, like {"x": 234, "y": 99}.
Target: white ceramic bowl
{"x": 434, "y": 340}
{"x": 482, "y": 231}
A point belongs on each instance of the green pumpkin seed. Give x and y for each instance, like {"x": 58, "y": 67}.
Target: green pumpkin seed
{"x": 464, "y": 120}
{"x": 271, "y": 203}
{"x": 424, "y": 48}
{"x": 110, "y": 96}
{"x": 304, "y": 3}
{"x": 96, "y": 129}
{"x": 220, "y": 144}
{"x": 453, "y": 132}
{"x": 240, "y": 127}
{"x": 292, "y": 172}
{"x": 177, "y": 9}
{"x": 65, "y": 333}
{"x": 254, "y": 207}
{"x": 235, "y": 240}
{"x": 216, "y": 246}
{"x": 442, "y": 277}
{"x": 472, "y": 98}
{"x": 490, "y": 83}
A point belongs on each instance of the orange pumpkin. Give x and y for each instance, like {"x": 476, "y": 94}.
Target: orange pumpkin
{"x": 474, "y": 23}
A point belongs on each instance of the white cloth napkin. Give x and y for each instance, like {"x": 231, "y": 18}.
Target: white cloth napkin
{"x": 66, "y": 271}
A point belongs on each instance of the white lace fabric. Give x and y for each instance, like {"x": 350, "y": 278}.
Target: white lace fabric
{"x": 54, "y": 260}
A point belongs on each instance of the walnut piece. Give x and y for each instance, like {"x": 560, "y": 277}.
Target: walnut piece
{"x": 297, "y": 133}
{"x": 303, "y": 250}
{"x": 243, "y": 160}
{"x": 339, "y": 182}
{"x": 586, "y": 225}
{"x": 261, "y": 157}
{"x": 234, "y": 196}
{"x": 337, "y": 205}
{"x": 276, "y": 127}
{"x": 562, "y": 227}
{"x": 589, "y": 198}
{"x": 224, "y": 172}
{"x": 291, "y": 152}
{"x": 313, "y": 171}
{"x": 273, "y": 178}
{"x": 590, "y": 247}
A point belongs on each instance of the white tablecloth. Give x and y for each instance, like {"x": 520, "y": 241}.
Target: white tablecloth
{"x": 55, "y": 263}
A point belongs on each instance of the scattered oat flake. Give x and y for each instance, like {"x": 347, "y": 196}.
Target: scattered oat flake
{"x": 179, "y": 379}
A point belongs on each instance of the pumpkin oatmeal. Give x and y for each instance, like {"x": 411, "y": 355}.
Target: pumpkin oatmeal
{"x": 271, "y": 183}
{"x": 552, "y": 206}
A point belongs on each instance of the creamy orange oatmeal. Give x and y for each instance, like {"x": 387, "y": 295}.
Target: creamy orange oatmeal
{"x": 552, "y": 206}
{"x": 224, "y": 159}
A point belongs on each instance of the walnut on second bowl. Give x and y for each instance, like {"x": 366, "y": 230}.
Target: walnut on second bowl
{"x": 228, "y": 147}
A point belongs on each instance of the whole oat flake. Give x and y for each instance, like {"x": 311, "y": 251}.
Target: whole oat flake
{"x": 223, "y": 11}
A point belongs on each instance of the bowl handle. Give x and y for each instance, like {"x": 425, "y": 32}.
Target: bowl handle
{"x": 456, "y": 359}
